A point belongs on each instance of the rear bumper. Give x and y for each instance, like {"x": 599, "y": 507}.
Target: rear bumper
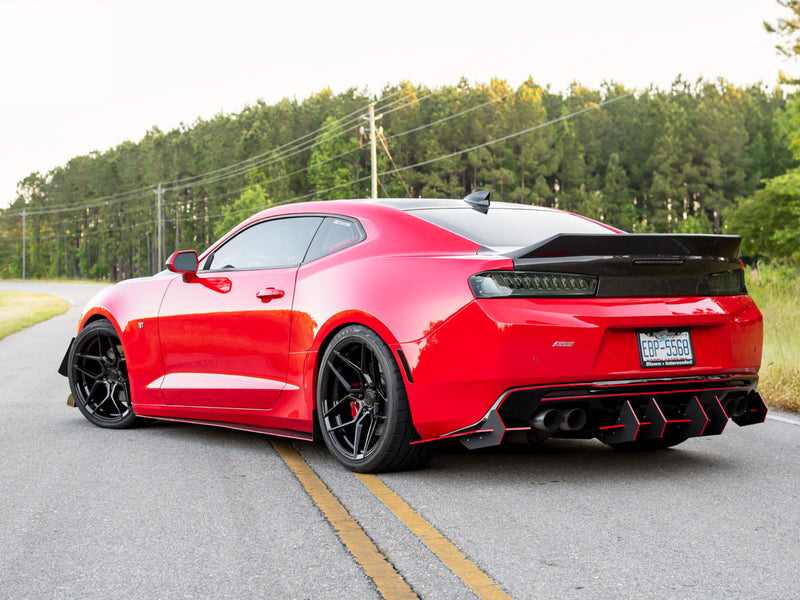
{"x": 492, "y": 349}
{"x": 622, "y": 411}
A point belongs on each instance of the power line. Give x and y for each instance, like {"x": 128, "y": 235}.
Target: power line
{"x": 145, "y": 191}
{"x": 288, "y": 145}
{"x": 291, "y": 150}
{"x": 511, "y": 136}
{"x": 412, "y": 166}
{"x": 115, "y": 199}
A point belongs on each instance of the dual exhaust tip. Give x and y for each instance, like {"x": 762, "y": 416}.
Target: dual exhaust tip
{"x": 736, "y": 406}
{"x": 553, "y": 419}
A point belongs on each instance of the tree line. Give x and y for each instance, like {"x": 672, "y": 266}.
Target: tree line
{"x": 698, "y": 157}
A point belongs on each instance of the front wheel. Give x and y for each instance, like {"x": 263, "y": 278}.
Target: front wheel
{"x": 362, "y": 406}
{"x": 98, "y": 377}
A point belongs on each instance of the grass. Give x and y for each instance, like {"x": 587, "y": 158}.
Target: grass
{"x": 19, "y": 310}
{"x": 776, "y": 290}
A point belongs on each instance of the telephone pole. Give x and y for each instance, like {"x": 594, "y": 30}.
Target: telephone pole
{"x": 24, "y": 214}
{"x": 373, "y": 153}
{"x": 159, "y": 253}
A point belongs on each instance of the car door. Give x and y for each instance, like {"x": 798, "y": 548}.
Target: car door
{"x": 224, "y": 334}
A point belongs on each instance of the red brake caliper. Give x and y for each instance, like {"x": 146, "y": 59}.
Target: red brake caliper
{"x": 354, "y": 406}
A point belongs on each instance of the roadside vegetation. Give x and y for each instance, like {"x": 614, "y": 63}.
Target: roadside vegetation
{"x": 19, "y": 310}
{"x": 776, "y": 290}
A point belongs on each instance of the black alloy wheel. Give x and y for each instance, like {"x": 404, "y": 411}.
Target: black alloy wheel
{"x": 362, "y": 405}
{"x": 98, "y": 377}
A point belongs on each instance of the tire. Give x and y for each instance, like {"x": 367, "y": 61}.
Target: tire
{"x": 98, "y": 377}
{"x": 650, "y": 445}
{"x": 362, "y": 406}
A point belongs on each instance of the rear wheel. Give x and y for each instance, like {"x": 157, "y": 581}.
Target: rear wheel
{"x": 362, "y": 405}
{"x": 98, "y": 377}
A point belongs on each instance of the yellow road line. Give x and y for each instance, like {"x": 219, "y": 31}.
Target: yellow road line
{"x": 442, "y": 547}
{"x": 390, "y": 584}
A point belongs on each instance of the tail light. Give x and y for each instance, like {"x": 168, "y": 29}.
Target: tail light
{"x": 531, "y": 284}
{"x": 726, "y": 283}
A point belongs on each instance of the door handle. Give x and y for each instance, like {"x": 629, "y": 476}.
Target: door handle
{"x": 269, "y": 293}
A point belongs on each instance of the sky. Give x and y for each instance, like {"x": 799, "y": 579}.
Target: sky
{"x": 79, "y": 76}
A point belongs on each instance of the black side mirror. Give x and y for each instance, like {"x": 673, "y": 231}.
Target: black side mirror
{"x": 184, "y": 262}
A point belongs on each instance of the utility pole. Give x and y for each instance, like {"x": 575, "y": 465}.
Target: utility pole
{"x": 24, "y": 214}
{"x": 373, "y": 148}
{"x": 159, "y": 253}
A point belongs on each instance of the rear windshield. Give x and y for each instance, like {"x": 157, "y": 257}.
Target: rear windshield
{"x": 507, "y": 226}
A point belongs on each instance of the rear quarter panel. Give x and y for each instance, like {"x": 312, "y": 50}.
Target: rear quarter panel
{"x": 405, "y": 280}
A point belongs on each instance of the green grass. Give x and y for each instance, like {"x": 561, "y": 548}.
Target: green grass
{"x": 19, "y": 310}
{"x": 776, "y": 290}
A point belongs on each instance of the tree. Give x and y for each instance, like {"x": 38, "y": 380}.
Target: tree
{"x": 618, "y": 209}
{"x": 789, "y": 30}
{"x": 769, "y": 220}
{"x": 333, "y": 166}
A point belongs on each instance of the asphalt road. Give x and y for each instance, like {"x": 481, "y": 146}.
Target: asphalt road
{"x": 179, "y": 511}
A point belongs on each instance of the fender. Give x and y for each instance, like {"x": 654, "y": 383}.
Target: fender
{"x": 133, "y": 311}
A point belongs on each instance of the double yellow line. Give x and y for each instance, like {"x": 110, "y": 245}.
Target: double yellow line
{"x": 390, "y": 584}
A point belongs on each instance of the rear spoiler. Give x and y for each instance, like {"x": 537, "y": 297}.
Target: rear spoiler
{"x": 637, "y": 265}
{"x": 631, "y": 244}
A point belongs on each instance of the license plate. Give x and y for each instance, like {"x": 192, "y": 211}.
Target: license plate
{"x": 665, "y": 348}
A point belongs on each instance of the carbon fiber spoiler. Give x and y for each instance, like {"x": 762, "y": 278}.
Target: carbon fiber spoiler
{"x": 645, "y": 264}
{"x": 631, "y": 244}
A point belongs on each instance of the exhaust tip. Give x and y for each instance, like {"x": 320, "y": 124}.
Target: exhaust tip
{"x": 547, "y": 419}
{"x": 573, "y": 419}
{"x": 736, "y": 406}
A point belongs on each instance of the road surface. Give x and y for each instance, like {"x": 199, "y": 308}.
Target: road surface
{"x": 180, "y": 511}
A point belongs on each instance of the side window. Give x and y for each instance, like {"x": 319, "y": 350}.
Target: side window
{"x": 336, "y": 233}
{"x": 266, "y": 245}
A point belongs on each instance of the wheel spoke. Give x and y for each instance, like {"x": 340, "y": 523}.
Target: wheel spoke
{"x": 114, "y": 400}
{"x": 373, "y": 371}
{"x": 91, "y": 391}
{"x": 370, "y": 432}
{"x": 348, "y": 424}
{"x": 379, "y": 391}
{"x": 340, "y": 377}
{"x": 363, "y": 368}
{"x": 94, "y": 376}
{"x": 358, "y": 451}
{"x": 348, "y": 362}
{"x": 100, "y": 346}
{"x": 97, "y": 405}
{"x": 347, "y": 398}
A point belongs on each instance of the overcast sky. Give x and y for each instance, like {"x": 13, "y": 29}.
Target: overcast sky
{"x": 84, "y": 75}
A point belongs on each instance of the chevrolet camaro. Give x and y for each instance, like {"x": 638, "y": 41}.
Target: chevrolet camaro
{"x": 384, "y": 326}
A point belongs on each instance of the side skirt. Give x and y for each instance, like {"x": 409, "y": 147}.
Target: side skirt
{"x": 284, "y": 433}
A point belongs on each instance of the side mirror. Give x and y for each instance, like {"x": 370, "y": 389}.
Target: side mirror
{"x": 184, "y": 262}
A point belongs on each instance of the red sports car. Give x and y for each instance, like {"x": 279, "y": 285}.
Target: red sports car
{"x": 384, "y": 326}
